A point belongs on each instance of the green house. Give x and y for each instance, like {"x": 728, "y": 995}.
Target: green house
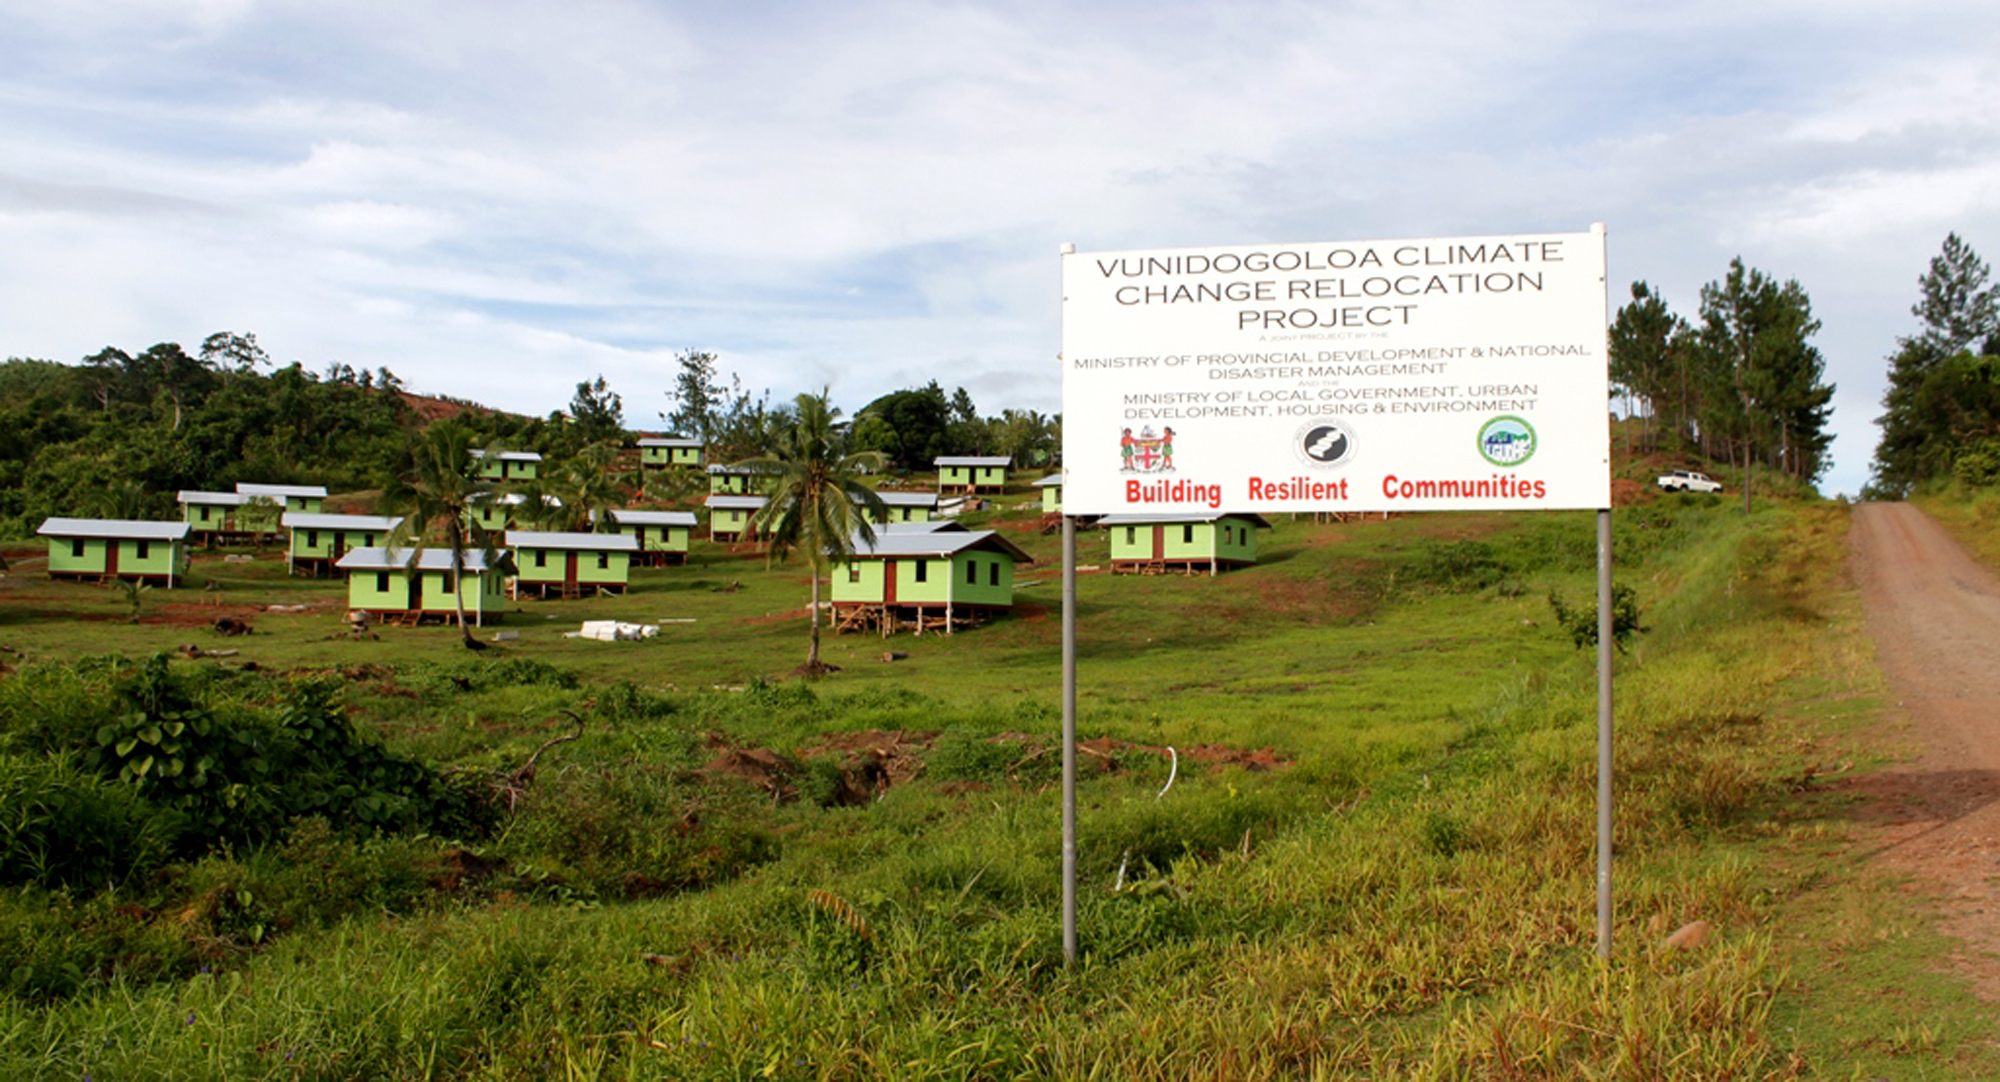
{"x": 1051, "y": 487}
{"x": 404, "y": 585}
{"x": 308, "y": 499}
{"x": 738, "y": 479}
{"x": 502, "y": 511}
{"x": 663, "y": 451}
{"x": 102, "y": 549}
{"x": 927, "y": 576}
{"x": 972, "y": 473}
{"x": 907, "y": 507}
{"x": 508, "y": 465}
{"x": 319, "y": 541}
{"x": 1152, "y": 544}
{"x": 663, "y": 536}
{"x": 218, "y": 518}
{"x": 561, "y": 564}
{"x": 729, "y": 517}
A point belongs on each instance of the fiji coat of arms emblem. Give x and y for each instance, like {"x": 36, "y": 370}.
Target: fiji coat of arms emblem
{"x": 1146, "y": 452}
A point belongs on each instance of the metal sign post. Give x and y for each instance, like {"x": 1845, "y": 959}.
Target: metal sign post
{"x": 1604, "y": 646}
{"x": 1069, "y": 739}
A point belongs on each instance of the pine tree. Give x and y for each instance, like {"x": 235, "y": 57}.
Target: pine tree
{"x": 1923, "y": 425}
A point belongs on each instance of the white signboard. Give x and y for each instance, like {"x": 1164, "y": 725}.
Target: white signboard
{"x": 1459, "y": 373}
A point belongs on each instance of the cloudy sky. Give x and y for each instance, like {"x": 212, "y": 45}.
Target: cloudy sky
{"x": 499, "y": 199}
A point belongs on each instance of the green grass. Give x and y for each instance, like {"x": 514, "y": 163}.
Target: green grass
{"x": 1412, "y": 895}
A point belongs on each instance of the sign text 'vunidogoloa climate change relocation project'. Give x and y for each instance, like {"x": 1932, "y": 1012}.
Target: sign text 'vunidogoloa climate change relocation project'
{"x": 1441, "y": 374}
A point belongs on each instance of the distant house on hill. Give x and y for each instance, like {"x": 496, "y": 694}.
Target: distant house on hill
{"x": 1052, "y": 488}
{"x": 508, "y": 465}
{"x": 907, "y": 506}
{"x": 502, "y": 511}
{"x": 319, "y": 541}
{"x": 729, "y": 517}
{"x": 305, "y": 498}
{"x": 104, "y": 550}
{"x": 738, "y": 479}
{"x": 1188, "y": 542}
{"x": 405, "y": 585}
{"x": 565, "y": 564}
{"x": 213, "y": 517}
{"x": 662, "y": 451}
{"x": 926, "y": 576}
{"x": 663, "y": 536}
{"x": 972, "y": 473}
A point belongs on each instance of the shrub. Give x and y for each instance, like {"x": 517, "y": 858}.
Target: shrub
{"x": 62, "y": 827}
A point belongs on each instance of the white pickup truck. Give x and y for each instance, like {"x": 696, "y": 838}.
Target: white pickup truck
{"x": 1688, "y": 481}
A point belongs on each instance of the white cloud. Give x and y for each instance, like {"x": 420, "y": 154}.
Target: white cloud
{"x": 498, "y": 201}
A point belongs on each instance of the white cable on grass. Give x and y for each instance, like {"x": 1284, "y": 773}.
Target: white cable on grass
{"x": 1172, "y": 772}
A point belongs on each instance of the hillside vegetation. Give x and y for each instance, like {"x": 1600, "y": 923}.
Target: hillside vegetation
{"x": 1375, "y": 856}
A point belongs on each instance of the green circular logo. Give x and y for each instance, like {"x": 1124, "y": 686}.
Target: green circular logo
{"x": 1507, "y": 440}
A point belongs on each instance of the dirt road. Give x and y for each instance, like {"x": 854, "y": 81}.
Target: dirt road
{"x": 1935, "y": 618}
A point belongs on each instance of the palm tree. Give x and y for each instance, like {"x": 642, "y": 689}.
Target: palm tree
{"x": 587, "y": 488}
{"x": 435, "y": 494}
{"x": 816, "y": 502}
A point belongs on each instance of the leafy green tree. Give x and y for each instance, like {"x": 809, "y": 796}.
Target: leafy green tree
{"x": 435, "y": 493}
{"x": 1932, "y": 403}
{"x": 698, "y": 395}
{"x": 597, "y": 410}
{"x": 1649, "y": 361}
{"x": 920, "y": 418}
{"x": 584, "y": 487}
{"x": 1753, "y": 340}
{"x": 817, "y": 502}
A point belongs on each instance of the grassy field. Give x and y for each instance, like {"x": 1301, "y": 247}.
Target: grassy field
{"x": 1376, "y": 858}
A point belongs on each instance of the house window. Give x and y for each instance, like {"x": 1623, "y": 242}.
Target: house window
{"x": 1131, "y": 535}
{"x": 853, "y": 573}
{"x": 204, "y": 514}
{"x": 76, "y": 547}
{"x": 1187, "y": 533}
{"x": 972, "y": 572}
{"x": 368, "y": 540}
{"x": 141, "y": 549}
{"x": 603, "y": 561}
{"x": 993, "y": 574}
{"x": 541, "y": 558}
{"x": 312, "y": 539}
{"x": 906, "y": 514}
{"x": 923, "y": 570}
{"x": 381, "y": 582}
{"x": 640, "y": 533}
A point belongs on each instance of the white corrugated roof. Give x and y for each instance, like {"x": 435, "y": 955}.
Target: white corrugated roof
{"x": 431, "y": 559}
{"x": 1051, "y": 479}
{"x": 629, "y": 517}
{"x": 553, "y": 539}
{"x": 304, "y": 521}
{"x": 121, "y": 528}
{"x": 282, "y": 491}
{"x": 668, "y": 441}
{"x": 907, "y": 499}
{"x": 939, "y": 543}
{"x": 225, "y": 499}
{"x": 736, "y": 503}
{"x": 511, "y": 456}
{"x": 1161, "y": 518}
{"x": 972, "y": 460}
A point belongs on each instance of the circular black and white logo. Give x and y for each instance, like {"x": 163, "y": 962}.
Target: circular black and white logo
{"x": 1324, "y": 443}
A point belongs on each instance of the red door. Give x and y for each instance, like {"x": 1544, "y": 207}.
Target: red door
{"x": 111, "y": 556}
{"x": 1159, "y": 542}
{"x": 569, "y": 569}
{"x": 888, "y": 582}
